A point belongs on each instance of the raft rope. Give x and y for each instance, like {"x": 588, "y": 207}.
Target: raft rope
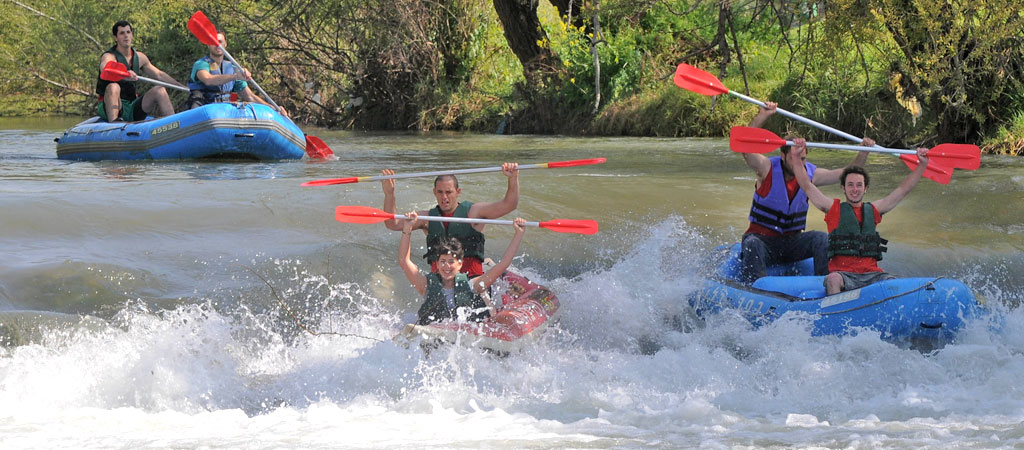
{"x": 923, "y": 286}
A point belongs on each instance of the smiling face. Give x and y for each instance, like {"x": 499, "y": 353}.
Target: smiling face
{"x": 446, "y": 190}
{"x": 854, "y": 187}
{"x": 448, "y": 266}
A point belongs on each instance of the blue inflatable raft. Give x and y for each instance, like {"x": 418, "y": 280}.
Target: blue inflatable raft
{"x": 916, "y": 311}
{"x": 215, "y": 131}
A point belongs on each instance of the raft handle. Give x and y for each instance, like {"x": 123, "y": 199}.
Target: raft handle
{"x": 245, "y": 135}
{"x": 132, "y": 133}
{"x": 931, "y": 326}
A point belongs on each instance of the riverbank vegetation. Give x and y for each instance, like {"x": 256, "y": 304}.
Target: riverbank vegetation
{"x": 907, "y": 72}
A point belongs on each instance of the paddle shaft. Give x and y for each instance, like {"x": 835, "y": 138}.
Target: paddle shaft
{"x": 812, "y": 123}
{"x": 447, "y": 172}
{"x": 258, "y": 88}
{"x": 467, "y": 220}
{"x": 161, "y": 83}
{"x": 858, "y": 147}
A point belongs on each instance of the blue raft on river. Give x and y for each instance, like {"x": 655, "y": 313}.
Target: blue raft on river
{"x": 916, "y": 311}
{"x": 215, "y": 131}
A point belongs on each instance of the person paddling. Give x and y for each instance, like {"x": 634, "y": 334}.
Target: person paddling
{"x": 214, "y": 80}
{"x": 778, "y": 214}
{"x": 447, "y": 191}
{"x": 120, "y": 100}
{"x": 854, "y": 247}
{"x": 448, "y": 293}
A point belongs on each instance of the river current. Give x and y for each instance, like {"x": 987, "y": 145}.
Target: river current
{"x": 220, "y": 305}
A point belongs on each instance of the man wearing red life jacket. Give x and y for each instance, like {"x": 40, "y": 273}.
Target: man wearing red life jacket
{"x": 854, "y": 247}
{"x": 446, "y": 191}
{"x": 120, "y": 101}
{"x": 778, "y": 214}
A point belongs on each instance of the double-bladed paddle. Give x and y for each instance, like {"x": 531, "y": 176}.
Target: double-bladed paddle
{"x": 760, "y": 140}
{"x": 547, "y": 165}
{"x": 206, "y": 32}
{"x": 367, "y": 215}
{"x": 115, "y": 71}
{"x": 704, "y": 83}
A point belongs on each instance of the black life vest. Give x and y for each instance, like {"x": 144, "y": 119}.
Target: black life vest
{"x": 128, "y": 91}
{"x": 851, "y": 238}
{"x": 472, "y": 240}
{"x": 435, "y": 308}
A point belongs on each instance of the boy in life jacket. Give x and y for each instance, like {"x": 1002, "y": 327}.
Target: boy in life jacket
{"x": 447, "y": 191}
{"x": 854, "y": 247}
{"x": 120, "y": 100}
{"x": 448, "y": 293}
{"x": 778, "y": 213}
{"x": 215, "y": 79}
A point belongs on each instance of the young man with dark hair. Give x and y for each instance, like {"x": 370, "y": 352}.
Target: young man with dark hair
{"x": 120, "y": 100}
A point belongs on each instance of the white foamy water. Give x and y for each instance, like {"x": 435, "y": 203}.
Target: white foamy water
{"x": 204, "y": 280}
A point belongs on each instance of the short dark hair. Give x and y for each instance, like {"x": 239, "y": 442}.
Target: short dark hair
{"x": 442, "y": 177}
{"x": 857, "y": 170}
{"x": 119, "y": 24}
{"x": 786, "y": 148}
{"x": 449, "y": 245}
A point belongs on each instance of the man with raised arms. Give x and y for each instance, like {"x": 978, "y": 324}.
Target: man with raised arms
{"x": 854, "y": 247}
{"x": 120, "y": 100}
{"x": 447, "y": 191}
{"x": 778, "y": 214}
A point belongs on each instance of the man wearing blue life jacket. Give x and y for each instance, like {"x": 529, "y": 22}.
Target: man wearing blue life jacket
{"x": 446, "y": 191}
{"x": 215, "y": 79}
{"x": 778, "y": 213}
{"x": 120, "y": 100}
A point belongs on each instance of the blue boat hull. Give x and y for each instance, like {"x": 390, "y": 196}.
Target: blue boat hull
{"x": 911, "y": 310}
{"x": 220, "y": 130}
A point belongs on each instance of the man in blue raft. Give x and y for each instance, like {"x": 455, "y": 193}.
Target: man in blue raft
{"x": 854, "y": 247}
{"x": 120, "y": 101}
{"x": 215, "y": 79}
{"x": 778, "y": 214}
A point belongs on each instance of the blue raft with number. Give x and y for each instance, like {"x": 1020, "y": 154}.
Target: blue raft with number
{"x": 243, "y": 131}
{"x": 916, "y": 311}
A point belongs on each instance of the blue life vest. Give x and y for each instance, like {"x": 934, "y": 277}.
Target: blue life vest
{"x": 213, "y": 94}
{"x": 776, "y": 211}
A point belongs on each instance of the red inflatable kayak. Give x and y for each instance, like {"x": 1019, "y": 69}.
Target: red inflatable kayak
{"x": 526, "y": 309}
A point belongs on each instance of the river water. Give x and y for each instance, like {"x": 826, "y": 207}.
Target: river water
{"x": 220, "y": 305}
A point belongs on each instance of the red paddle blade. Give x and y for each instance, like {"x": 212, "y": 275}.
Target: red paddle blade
{"x": 571, "y": 226}
{"x": 957, "y": 156}
{"x": 361, "y": 214}
{"x": 203, "y": 29}
{"x": 578, "y": 162}
{"x": 317, "y": 148}
{"x": 114, "y": 72}
{"x": 699, "y": 81}
{"x": 329, "y": 182}
{"x": 934, "y": 172}
{"x": 753, "y": 140}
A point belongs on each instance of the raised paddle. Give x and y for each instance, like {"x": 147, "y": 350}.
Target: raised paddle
{"x": 704, "y": 83}
{"x": 367, "y": 215}
{"x": 760, "y": 140}
{"x": 115, "y": 71}
{"x": 203, "y": 29}
{"x": 757, "y": 141}
{"x": 547, "y": 165}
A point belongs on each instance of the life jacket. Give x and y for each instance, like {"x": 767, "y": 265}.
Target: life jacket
{"x": 856, "y": 239}
{"x": 435, "y": 308}
{"x": 127, "y": 87}
{"x": 213, "y": 94}
{"x": 775, "y": 211}
{"x": 472, "y": 240}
